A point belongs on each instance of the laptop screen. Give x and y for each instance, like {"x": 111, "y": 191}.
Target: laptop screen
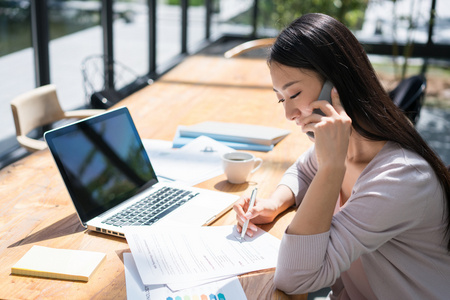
{"x": 102, "y": 161}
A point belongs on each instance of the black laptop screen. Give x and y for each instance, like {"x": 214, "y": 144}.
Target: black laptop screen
{"x": 102, "y": 161}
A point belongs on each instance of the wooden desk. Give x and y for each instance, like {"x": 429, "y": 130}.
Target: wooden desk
{"x": 35, "y": 208}
{"x": 210, "y": 70}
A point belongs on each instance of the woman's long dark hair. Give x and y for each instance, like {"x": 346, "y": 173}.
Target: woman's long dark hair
{"x": 320, "y": 43}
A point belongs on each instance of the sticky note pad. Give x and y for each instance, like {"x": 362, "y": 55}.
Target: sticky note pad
{"x": 58, "y": 263}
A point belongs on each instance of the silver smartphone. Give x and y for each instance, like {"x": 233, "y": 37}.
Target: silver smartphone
{"x": 325, "y": 94}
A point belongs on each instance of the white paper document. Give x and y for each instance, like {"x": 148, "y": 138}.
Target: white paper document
{"x": 186, "y": 285}
{"x": 174, "y": 255}
{"x": 196, "y": 162}
{"x": 229, "y": 288}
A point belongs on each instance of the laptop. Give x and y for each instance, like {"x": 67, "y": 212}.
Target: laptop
{"x": 112, "y": 183}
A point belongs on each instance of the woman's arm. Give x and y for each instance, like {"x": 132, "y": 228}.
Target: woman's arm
{"x": 316, "y": 210}
{"x": 332, "y": 134}
{"x": 289, "y": 192}
{"x": 392, "y": 196}
{"x": 265, "y": 210}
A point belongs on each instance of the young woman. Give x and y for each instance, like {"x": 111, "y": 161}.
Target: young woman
{"x": 373, "y": 199}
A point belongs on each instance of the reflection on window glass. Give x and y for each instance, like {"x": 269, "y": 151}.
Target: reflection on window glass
{"x": 15, "y": 30}
{"x": 169, "y": 27}
{"x": 168, "y": 35}
{"x": 16, "y": 63}
{"x": 232, "y": 17}
{"x": 196, "y": 24}
{"x": 228, "y": 17}
{"x": 131, "y": 34}
{"x": 75, "y": 33}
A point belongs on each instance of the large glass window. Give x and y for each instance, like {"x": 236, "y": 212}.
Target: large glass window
{"x": 75, "y": 33}
{"x": 130, "y": 29}
{"x": 168, "y": 35}
{"x": 16, "y": 63}
{"x": 232, "y": 17}
{"x": 196, "y": 24}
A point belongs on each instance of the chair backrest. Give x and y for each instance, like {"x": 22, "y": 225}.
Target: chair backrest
{"x": 249, "y": 46}
{"x": 409, "y": 96}
{"x": 97, "y": 94}
{"x": 36, "y": 108}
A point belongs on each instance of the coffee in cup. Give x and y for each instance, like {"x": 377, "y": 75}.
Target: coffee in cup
{"x": 238, "y": 165}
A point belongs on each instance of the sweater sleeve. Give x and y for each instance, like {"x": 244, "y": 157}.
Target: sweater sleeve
{"x": 389, "y": 198}
{"x": 299, "y": 176}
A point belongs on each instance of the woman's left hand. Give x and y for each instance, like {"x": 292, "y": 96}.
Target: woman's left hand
{"x": 332, "y": 131}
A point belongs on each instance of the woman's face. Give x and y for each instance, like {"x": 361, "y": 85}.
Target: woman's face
{"x": 296, "y": 89}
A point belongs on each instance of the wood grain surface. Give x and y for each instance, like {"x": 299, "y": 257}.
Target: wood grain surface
{"x": 35, "y": 207}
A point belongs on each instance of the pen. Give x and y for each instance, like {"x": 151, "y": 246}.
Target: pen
{"x": 252, "y": 202}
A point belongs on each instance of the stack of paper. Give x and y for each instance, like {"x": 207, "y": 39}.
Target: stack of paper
{"x": 228, "y": 288}
{"x": 185, "y": 257}
{"x": 235, "y": 135}
{"x": 195, "y": 162}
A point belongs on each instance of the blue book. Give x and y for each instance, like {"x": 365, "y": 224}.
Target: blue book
{"x": 180, "y": 141}
{"x": 235, "y": 132}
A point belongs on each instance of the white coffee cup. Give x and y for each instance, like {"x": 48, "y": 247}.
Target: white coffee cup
{"x": 238, "y": 165}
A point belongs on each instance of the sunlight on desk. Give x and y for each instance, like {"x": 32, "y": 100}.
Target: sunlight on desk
{"x": 37, "y": 210}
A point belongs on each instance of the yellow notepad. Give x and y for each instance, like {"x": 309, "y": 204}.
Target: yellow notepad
{"x": 58, "y": 263}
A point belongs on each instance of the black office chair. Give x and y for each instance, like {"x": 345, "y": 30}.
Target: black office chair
{"x": 98, "y": 95}
{"x": 409, "y": 96}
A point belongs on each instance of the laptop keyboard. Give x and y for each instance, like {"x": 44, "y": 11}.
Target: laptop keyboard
{"x": 152, "y": 208}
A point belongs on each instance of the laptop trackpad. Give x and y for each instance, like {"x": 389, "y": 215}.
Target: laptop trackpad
{"x": 203, "y": 208}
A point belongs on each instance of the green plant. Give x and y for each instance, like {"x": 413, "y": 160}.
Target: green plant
{"x": 191, "y": 2}
{"x": 279, "y": 13}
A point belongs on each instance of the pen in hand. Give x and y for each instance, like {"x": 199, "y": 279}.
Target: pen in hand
{"x": 252, "y": 202}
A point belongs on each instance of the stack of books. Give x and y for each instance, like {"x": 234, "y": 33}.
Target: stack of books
{"x": 235, "y": 135}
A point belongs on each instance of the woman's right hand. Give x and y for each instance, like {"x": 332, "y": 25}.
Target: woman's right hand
{"x": 261, "y": 213}
{"x": 264, "y": 210}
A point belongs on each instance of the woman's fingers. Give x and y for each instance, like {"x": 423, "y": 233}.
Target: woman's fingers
{"x": 332, "y": 113}
{"x": 325, "y": 106}
{"x": 242, "y": 215}
{"x": 251, "y": 228}
{"x": 240, "y": 205}
{"x": 336, "y": 100}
